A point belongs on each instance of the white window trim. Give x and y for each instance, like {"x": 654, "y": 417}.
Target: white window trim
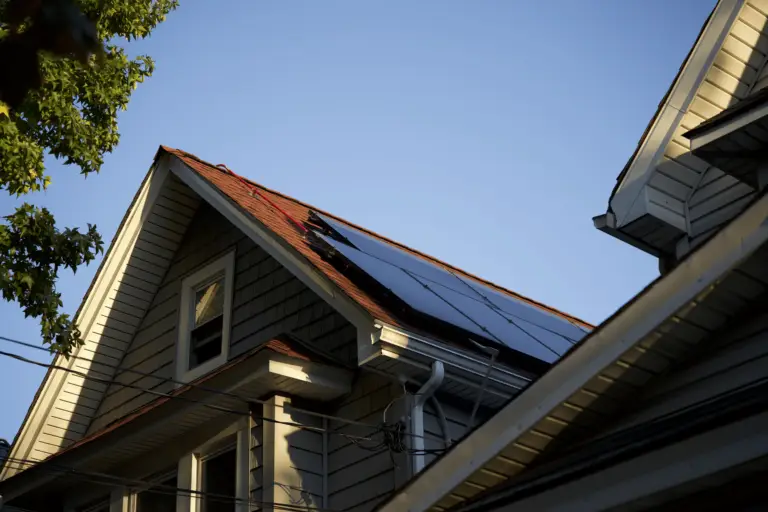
{"x": 190, "y": 467}
{"x": 226, "y": 264}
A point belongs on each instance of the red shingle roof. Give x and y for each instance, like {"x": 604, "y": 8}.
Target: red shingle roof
{"x": 279, "y": 224}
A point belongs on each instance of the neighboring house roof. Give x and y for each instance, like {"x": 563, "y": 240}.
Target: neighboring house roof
{"x": 274, "y": 215}
{"x": 659, "y": 109}
{"x": 599, "y": 378}
{"x": 728, "y": 114}
{"x": 666, "y": 199}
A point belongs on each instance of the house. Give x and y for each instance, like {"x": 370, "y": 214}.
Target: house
{"x": 663, "y": 406}
{"x": 247, "y": 351}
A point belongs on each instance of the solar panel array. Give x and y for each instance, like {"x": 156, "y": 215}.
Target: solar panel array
{"x": 457, "y": 300}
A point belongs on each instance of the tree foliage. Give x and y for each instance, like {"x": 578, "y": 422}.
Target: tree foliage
{"x": 72, "y": 116}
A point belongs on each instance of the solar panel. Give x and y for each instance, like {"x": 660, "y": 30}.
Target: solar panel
{"x": 459, "y": 301}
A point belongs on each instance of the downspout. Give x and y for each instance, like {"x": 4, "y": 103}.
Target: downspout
{"x": 417, "y": 414}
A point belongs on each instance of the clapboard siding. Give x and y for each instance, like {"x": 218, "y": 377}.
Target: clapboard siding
{"x": 128, "y": 297}
{"x": 677, "y": 192}
{"x": 267, "y": 298}
{"x": 152, "y": 349}
{"x": 304, "y": 459}
{"x": 359, "y": 479}
{"x": 456, "y": 419}
{"x": 732, "y": 360}
{"x": 718, "y": 198}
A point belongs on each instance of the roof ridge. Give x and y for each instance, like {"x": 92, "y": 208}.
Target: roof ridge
{"x": 383, "y": 238}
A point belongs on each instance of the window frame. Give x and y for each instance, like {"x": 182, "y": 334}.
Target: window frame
{"x": 238, "y": 437}
{"x": 223, "y": 265}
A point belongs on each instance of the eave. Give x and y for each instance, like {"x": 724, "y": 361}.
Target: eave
{"x": 735, "y": 141}
{"x": 659, "y": 327}
{"x": 654, "y": 201}
{"x": 190, "y": 414}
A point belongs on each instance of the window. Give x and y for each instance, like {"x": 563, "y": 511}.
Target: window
{"x": 204, "y": 322}
{"x": 219, "y": 471}
{"x": 159, "y": 499}
{"x": 218, "y": 474}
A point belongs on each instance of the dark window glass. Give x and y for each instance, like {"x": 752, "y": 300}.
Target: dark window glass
{"x": 205, "y": 339}
{"x": 218, "y": 477}
{"x": 161, "y": 499}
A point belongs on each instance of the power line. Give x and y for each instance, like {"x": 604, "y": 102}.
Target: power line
{"x": 202, "y": 388}
{"x": 177, "y": 397}
{"x": 153, "y": 487}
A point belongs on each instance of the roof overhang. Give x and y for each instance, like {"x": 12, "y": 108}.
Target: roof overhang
{"x": 643, "y": 208}
{"x": 188, "y": 417}
{"x": 736, "y": 140}
{"x": 398, "y": 351}
{"x": 650, "y": 320}
{"x": 645, "y": 482}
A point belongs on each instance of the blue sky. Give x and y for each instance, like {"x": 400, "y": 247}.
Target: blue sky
{"x": 487, "y": 134}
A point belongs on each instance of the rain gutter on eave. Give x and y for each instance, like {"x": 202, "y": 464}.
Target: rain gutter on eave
{"x": 662, "y": 299}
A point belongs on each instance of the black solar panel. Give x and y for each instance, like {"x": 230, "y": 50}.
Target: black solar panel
{"x": 459, "y": 301}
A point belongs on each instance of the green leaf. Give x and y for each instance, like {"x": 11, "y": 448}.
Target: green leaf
{"x": 74, "y": 118}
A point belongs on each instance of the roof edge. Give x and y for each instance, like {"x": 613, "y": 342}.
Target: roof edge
{"x": 432, "y": 259}
{"x": 665, "y": 100}
{"x": 43, "y": 390}
{"x": 624, "y": 329}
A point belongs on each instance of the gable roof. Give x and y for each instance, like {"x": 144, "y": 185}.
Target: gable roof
{"x": 299, "y": 211}
{"x": 656, "y": 329}
{"x": 659, "y": 108}
{"x": 664, "y": 194}
{"x": 280, "y": 217}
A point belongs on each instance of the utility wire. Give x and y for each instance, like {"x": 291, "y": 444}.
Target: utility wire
{"x": 150, "y": 486}
{"x": 177, "y": 397}
{"x": 196, "y": 386}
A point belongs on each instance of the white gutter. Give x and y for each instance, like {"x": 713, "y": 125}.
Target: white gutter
{"x": 470, "y": 365}
{"x": 417, "y": 414}
{"x": 696, "y": 275}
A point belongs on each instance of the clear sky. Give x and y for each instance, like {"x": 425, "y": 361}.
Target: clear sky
{"x": 487, "y": 134}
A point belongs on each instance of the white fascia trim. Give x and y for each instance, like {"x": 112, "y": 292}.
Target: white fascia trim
{"x": 124, "y": 241}
{"x": 737, "y": 123}
{"x": 659, "y": 471}
{"x": 400, "y": 341}
{"x": 275, "y": 247}
{"x": 605, "y": 345}
{"x": 334, "y": 379}
{"x": 607, "y": 224}
{"x": 680, "y": 97}
{"x": 225, "y": 264}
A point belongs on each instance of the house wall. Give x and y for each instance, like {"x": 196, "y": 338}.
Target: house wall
{"x": 267, "y": 300}
{"x": 717, "y": 199}
{"x": 139, "y": 258}
{"x": 361, "y": 477}
{"x": 291, "y": 469}
{"x": 731, "y": 360}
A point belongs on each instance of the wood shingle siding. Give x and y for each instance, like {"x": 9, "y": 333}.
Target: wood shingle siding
{"x": 267, "y": 298}
{"x": 359, "y": 479}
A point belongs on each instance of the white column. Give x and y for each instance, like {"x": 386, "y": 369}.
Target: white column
{"x": 188, "y": 477}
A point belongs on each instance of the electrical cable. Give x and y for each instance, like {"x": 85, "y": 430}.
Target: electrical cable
{"x": 191, "y": 385}
{"x": 179, "y": 397}
{"x": 255, "y": 191}
{"x": 150, "y": 486}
